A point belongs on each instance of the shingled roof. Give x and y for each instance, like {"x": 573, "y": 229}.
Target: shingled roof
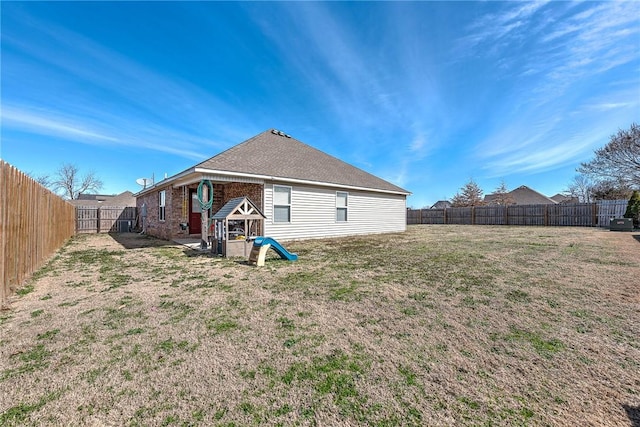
{"x": 523, "y": 195}
{"x": 280, "y": 157}
{"x": 126, "y": 198}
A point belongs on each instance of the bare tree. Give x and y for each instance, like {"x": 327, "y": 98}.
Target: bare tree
{"x": 619, "y": 160}
{"x": 581, "y": 187}
{"x": 471, "y": 195}
{"x": 611, "y": 190}
{"x": 501, "y": 196}
{"x": 43, "y": 179}
{"x": 68, "y": 180}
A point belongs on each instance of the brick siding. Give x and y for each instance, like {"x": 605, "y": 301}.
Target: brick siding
{"x": 170, "y": 227}
{"x": 238, "y": 189}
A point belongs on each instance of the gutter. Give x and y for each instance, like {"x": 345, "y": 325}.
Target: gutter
{"x": 204, "y": 171}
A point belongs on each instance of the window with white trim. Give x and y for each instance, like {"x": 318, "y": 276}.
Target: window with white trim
{"x": 341, "y": 206}
{"x": 162, "y": 199}
{"x": 281, "y": 203}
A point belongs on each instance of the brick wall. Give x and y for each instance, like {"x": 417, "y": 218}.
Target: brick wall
{"x": 239, "y": 189}
{"x": 218, "y": 197}
{"x": 253, "y": 191}
{"x": 170, "y": 227}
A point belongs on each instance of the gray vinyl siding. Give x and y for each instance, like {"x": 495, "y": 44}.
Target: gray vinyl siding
{"x": 313, "y": 213}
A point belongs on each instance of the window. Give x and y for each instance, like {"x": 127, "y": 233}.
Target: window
{"x": 281, "y": 203}
{"x": 341, "y": 206}
{"x": 195, "y": 203}
{"x": 161, "y": 205}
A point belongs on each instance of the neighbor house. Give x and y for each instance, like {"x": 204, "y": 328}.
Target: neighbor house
{"x": 126, "y": 198}
{"x": 303, "y": 193}
{"x": 561, "y": 198}
{"x": 103, "y": 213}
{"x": 522, "y": 195}
{"x": 441, "y": 204}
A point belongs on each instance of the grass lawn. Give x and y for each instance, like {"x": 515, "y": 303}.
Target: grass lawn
{"x": 441, "y": 325}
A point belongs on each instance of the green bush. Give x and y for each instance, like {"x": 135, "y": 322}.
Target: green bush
{"x": 633, "y": 208}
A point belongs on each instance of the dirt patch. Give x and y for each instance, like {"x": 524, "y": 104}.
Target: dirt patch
{"x": 442, "y": 325}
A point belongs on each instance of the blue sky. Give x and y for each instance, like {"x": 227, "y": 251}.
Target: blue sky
{"x": 424, "y": 94}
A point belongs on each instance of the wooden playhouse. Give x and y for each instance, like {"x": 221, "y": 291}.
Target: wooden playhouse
{"x": 237, "y": 223}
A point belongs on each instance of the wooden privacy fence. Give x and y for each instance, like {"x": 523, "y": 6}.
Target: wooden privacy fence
{"x": 579, "y": 214}
{"x": 105, "y": 219}
{"x": 608, "y": 209}
{"x": 34, "y": 223}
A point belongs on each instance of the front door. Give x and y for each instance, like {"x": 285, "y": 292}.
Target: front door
{"x": 195, "y": 218}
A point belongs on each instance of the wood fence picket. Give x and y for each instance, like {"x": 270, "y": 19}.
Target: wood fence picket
{"x": 105, "y": 219}
{"x": 34, "y": 223}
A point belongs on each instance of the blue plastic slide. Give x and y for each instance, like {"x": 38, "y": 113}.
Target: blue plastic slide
{"x": 284, "y": 254}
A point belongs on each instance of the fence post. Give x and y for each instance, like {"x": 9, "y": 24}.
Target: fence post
{"x": 444, "y": 218}
{"x": 420, "y": 217}
{"x": 594, "y": 214}
{"x": 546, "y": 215}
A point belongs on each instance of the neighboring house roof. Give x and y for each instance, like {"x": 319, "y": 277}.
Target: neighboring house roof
{"x": 441, "y": 204}
{"x": 490, "y": 198}
{"x": 125, "y": 198}
{"x": 523, "y": 195}
{"x": 274, "y": 155}
{"x": 561, "y": 198}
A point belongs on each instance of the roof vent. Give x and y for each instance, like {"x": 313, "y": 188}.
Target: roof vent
{"x": 280, "y": 133}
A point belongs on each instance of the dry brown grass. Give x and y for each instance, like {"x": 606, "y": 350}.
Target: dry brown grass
{"x": 442, "y": 325}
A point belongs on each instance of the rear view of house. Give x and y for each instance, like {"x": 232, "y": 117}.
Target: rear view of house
{"x": 302, "y": 192}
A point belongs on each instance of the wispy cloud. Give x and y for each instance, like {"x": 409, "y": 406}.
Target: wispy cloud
{"x": 610, "y": 106}
{"x": 562, "y": 43}
{"x": 54, "y": 124}
{"x": 542, "y": 157}
{"x": 380, "y": 90}
{"x": 568, "y": 47}
{"x": 552, "y": 138}
{"x": 101, "y": 88}
{"x": 588, "y": 43}
{"x": 327, "y": 54}
{"x": 494, "y": 30}
{"x": 47, "y": 125}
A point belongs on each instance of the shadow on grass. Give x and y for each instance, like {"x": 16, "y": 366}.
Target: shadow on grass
{"x": 637, "y": 237}
{"x": 137, "y": 241}
{"x": 206, "y": 253}
{"x": 633, "y": 412}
